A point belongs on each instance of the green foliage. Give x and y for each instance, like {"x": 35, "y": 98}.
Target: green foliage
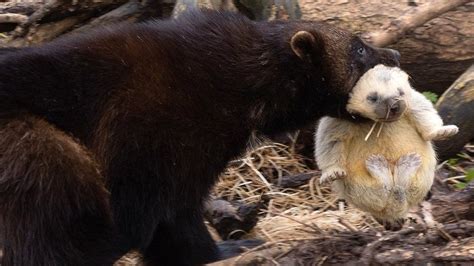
{"x": 469, "y": 175}
{"x": 453, "y": 161}
{"x": 433, "y": 97}
{"x": 468, "y": 178}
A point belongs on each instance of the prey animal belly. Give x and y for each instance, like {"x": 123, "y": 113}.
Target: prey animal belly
{"x": 392, "y": 141}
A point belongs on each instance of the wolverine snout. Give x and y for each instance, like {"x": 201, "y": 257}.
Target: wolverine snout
{"x": 389, "y": 57}
{"x": 390, "y": 109}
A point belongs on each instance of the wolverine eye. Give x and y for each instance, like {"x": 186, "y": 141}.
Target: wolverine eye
{"x": 373, "y": 97}
{"x": 361, "y": 51}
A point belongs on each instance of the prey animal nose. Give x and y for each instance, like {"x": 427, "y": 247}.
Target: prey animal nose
{"x": 395, "y": 108}
{"x": 391, "y": 109}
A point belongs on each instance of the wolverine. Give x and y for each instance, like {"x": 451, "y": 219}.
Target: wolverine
{"x": 111, "y": 140}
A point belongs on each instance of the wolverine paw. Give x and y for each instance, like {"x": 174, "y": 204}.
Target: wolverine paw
{"x": 332, "y": 174}
{"x": 443, "y": 132}
{"x": 232, "y": 248}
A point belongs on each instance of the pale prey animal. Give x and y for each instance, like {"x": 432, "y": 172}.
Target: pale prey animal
{"x": 388, "y": 172}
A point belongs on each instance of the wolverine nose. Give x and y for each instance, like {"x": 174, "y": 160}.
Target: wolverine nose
{"x": 389, "y": 57}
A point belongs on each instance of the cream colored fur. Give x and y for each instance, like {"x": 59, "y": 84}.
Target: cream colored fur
{"x": 388, "y": 174}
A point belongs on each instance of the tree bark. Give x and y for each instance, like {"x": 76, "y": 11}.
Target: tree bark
{"x": 269, "y": 9}
{"x": 456, "y": 106}
{"x": 58, "y": 17}
{"x": 434, "y": 54}
{"x": 183, "y": 5}
{"x": 413, "y": 18}
{"x": 461, "y": 205}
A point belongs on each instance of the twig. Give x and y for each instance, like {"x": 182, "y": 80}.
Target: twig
{"x": 264, "y": 180}
{"x": 20, "y": 7}
{"x": 121, "y": 13}
{"x": 431, "y": 223}
{"x": 43, "y": 11}
{"x": 411, "y": 19}
{"x": 348, "y": 225}
{"x": 323, "y": 259}
{"x": 370, "y": 131}
{"x": 13, "y": 18}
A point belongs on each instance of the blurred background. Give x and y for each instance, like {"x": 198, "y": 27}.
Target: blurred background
{"x": 273, "y": 192}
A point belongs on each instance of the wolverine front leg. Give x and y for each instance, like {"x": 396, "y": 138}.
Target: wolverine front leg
{"x": 183, "y": 240}
{"x": 329, "y": 149}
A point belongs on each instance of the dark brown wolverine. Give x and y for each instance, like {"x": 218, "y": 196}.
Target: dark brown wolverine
{"x": 160, "y": 108}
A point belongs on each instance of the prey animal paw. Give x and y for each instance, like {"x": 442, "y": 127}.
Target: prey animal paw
{"x": 378, "y": 167}
{"x": 405, "y": 168}
{"x": 377, "y": 163}
{"x": 409, "y": 162}
{"x": 395, "y": 225}
{"x": 443, "y": 132}
{"x": 332, "y": 174}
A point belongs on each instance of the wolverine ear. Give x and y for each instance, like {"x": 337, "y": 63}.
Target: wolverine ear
{"x": 302, "y": 43}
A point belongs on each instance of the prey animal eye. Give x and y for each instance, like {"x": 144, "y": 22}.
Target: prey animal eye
{"x": 373, "y": 97}
{"x": 400, "y": 91}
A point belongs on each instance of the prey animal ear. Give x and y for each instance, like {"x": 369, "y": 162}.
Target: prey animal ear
{"x": 303, "y": 44}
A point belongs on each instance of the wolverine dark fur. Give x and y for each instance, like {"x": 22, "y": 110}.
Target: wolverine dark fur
{"x": 160, "y": 108}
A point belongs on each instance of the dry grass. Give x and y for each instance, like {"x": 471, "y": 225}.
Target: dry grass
{"x": 260, "y": 171}
{"x": 305, "y": 212}
{"x": 291, "y": 213}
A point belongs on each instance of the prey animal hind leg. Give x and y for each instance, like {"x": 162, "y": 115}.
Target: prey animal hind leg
{"x": 405, "y": 169}
{"x": 379, "y": 169}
